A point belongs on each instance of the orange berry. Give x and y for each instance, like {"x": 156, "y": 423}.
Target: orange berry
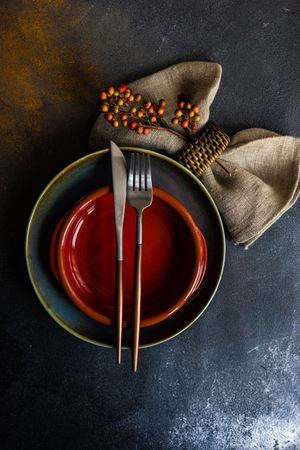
{"x": 195, "y": 108}
{"x": 146, "y": 131}
{"x": 110, "y": 90}
{"x": 185, "y": 123}
{"x": 137, "y": 97}
{"x": 140, "y": 129}
{"x": 115, "y": 109}
{"x": 175, "y": 121}
{"x": 188, "y": 106}
{"x": 162, "y": 103}
{"x": 125, "y": 123}
{"x": 191, "y": 114}
{"x": 124, "y": 116}
{"x": 151, "y": 110}
{"x": 178, "y": 112}
{"x": 153, "y": 119}
{"x": 160, "y": 111}
{"x": 181, "y": 104}
{"x": 115, "y": 123}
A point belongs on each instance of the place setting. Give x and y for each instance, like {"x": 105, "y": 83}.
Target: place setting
{"x": 125, "y": 247}
{"x": 109, "y": 281}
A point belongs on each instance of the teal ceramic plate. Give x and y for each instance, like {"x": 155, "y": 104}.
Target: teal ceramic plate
{"x": 84, "y": 176}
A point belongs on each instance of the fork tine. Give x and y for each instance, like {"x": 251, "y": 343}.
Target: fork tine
{"x": 143, "y": 169}
{"x": 137, "y": 173}
{"x": 131, "y": 172}
{"x": 148, "y": 174}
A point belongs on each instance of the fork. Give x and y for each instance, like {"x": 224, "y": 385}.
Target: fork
{"x": 139, "y": 196}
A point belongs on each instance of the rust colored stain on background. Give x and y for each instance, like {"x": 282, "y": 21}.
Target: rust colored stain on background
{"x": 41, "y": 72}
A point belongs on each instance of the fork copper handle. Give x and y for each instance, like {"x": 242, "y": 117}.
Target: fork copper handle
{"x": 137, "y": 304}
{"x": 119, "y": 308}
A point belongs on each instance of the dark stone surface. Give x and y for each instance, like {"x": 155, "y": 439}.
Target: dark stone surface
{"x": 232, "y": 380}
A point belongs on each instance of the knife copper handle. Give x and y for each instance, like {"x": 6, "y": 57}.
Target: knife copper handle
{"x": 119, "y": 308}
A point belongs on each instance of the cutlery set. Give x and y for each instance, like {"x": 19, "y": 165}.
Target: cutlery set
{"x": 138, "y": 187}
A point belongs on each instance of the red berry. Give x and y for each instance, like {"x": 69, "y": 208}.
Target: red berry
{"x": 147, "y": 105}
{"x": 108, "y": 117}
{"x": 122, "y": 88}
{"x": 102, "y": 95}
{"x": 124, "y": 116}
{"x": 110, "y": 90}
{"x": 146, "y": 131}
{"x": 162, "y": 103}
{"x": 126, "y": 104}
{"x": 185, "y": 123}
{"x": 133, "y": 125}
{"x": 137, "y": 97}
{"x": 194, "y": 127}
{"x": 181, "y": 104}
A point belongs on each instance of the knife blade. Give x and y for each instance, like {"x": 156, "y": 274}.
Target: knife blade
{"x": 119, "y": 181}
{"x": 119, "y": 177}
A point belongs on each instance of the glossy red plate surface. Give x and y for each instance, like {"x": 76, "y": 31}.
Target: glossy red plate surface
{"x": 173, "y": 262}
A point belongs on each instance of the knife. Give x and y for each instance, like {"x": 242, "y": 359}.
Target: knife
{"x": 119, "y": 178}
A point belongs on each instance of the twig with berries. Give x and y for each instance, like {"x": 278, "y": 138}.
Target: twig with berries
{"x": 121, "y": 107}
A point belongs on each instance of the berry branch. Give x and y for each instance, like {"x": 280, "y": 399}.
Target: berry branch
{"x": 121, "y": 107}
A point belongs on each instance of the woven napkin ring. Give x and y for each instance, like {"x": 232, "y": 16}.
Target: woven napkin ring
{"x": 206, "y": 147}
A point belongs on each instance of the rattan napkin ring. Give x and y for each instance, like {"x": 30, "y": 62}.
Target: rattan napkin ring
{"x": 205, "y": 148}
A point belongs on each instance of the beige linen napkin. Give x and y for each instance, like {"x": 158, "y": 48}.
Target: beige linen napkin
{"x": 264, "y": 166}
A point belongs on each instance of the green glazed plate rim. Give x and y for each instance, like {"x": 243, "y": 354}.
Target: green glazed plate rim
{"x": 63, "y": 172}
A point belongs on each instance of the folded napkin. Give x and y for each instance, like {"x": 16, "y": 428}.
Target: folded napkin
{"x": 264, "y": 166}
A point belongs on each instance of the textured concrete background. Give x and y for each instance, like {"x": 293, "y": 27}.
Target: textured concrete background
{"x": 232, "y": 380}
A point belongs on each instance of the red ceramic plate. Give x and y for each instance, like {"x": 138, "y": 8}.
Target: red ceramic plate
{"x": 173, "y": 262}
